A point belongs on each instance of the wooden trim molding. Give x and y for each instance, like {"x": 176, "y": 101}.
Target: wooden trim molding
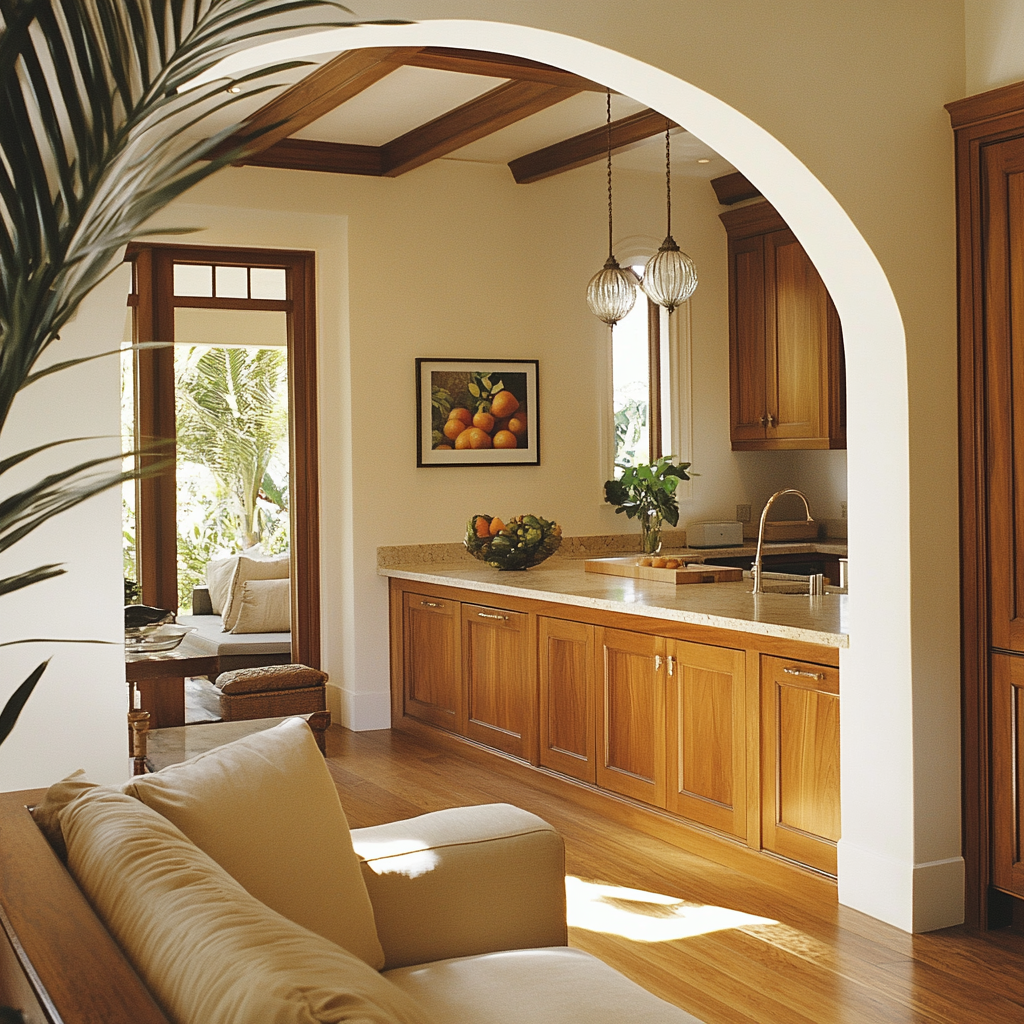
{"x": 734, "y": 188}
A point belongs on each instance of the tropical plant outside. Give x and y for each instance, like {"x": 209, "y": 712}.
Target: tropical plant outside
{"x": 98, "y": 134}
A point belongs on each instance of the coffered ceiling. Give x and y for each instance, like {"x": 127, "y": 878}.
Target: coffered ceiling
{"x": 386, "y": 111}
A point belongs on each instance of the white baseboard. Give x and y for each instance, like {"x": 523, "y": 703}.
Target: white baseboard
{"x": 359, "y": 712}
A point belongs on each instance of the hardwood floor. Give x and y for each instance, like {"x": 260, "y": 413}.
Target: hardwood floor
{"x": 766, "y": 955}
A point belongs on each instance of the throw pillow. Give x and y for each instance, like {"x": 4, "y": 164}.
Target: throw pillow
{"x": 266, "y": 607}
{"x": 47, "y": 812}
{"x": 251, "y": 569}
{"x": 265, "y": 808}
{"x": 205, "y": 948}
{"x": 219, "y": 573}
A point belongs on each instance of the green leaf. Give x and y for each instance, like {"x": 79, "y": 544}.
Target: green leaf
{"x": 18, "y": 700}
{"x": 474, "y": 390}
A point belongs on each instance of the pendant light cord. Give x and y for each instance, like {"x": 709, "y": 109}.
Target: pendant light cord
{"x": 608, "y": 132}
{"x": 668, "y": 182}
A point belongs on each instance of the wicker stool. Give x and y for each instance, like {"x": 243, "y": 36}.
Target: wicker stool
{"x": 270, "y": 691}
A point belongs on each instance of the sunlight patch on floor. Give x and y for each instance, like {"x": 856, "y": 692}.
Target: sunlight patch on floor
{"x": 646, "y": 916}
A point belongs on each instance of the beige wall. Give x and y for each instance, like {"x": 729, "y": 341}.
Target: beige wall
{"x": 855, "y": 93}
{"x": 995, "y": 43}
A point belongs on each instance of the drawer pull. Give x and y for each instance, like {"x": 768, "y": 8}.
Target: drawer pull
{"x": 657, "y": 663}
{"x": 431, "y": 604}
{"x": 488, "y": 615}
{"x": 801, "y": 672}
{"x": 671, "y": 665}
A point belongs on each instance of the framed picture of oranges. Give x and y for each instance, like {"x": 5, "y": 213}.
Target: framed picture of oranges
{"x": 477, "y": 412}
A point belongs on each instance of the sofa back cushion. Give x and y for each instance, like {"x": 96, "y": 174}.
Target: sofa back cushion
{"x": 266, "y": 810}
{"x": 250, "y": 569}
{"x": 207, "y": 949}
{"x": 265, "y": 606}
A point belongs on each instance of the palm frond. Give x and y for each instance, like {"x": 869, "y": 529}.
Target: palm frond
{"x": 18, "y": 700}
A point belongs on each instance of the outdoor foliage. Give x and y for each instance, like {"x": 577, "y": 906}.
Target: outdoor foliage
{"x": 96, "y": 136}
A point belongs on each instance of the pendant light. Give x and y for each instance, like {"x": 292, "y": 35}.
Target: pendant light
{"x": 670, "y": 277}
{"x": 612, "y": 290}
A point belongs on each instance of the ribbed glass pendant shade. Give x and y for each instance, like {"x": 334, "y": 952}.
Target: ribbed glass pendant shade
{"x": 670, "y": 276}
{"x": 611, "y": 293}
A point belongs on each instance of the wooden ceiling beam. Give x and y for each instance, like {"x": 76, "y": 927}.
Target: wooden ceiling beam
{"x": 497, "y": 65}
{"x": 317, "y": 94}
{"x": 588, "y": 147}
{"x": 734, "y": 188}
{"x": 489, "y": 113}
{"x": 313, "y": 155}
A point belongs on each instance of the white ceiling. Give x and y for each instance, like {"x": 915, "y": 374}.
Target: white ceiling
{"x": 412, "y": 96}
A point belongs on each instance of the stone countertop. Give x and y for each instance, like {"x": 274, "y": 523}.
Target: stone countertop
{"x": 818, "y": 620}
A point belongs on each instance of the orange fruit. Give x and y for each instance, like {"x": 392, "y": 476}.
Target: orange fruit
{"x": 462, "y": 441}
{"x": 504, "y": 404}
{"x": 477, "y": 438}
{"x": 505, "y": 439}
{"x": 453, "y": 428}
{"x": 443, "y": 448}
{"x": 459, "y": 413}
{"x": 517, "y": 424}
{"x": 496, "y": 526}
{"x": 482, "y": 527}
{"x": 501, "y": 424}
{"x": 484, "y": 420}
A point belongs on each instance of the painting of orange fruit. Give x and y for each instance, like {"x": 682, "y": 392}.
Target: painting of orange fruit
{"x": 477, "y": 412}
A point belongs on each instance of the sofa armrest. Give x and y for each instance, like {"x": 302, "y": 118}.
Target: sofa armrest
{"x": 464, "y": 881}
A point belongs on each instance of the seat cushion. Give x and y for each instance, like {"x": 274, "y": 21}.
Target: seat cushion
{"x": 208, "y": 950}
{"x": 269, "y": 678}
{"x": 554, "y": 985}
{"x": 266, "y": 810}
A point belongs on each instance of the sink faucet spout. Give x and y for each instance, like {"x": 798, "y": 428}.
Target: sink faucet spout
{"x": 755, "y": 570}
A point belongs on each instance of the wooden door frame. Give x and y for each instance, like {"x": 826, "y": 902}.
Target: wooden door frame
{"x": 977, "y": 120}
{"x": 154, "y": 321}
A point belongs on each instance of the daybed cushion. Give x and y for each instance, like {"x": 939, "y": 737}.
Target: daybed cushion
{"x": 251, "y": 569}
{"x": 209, "y": 638}
{"x": 532, "y": 986}
{"x": 208, "y": 950}
{"x": 264, "y": 808}
{"x": 269, "y": 678}
{"x": 219, "y": 573}
{"x": 266, "y": 607}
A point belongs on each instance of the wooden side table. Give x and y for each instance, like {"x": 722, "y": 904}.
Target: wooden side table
{"x": 160, "y": 680}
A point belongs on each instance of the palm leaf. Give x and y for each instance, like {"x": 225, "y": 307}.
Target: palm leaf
{"x": 99, "y": 134}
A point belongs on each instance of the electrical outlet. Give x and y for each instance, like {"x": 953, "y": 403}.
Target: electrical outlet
{"x": 842, "y": 510}
{"x": 743, "y": 513}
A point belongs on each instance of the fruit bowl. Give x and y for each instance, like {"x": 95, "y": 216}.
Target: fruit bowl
{"x": 523, "y": 542}
{"x": 155, "y": 639}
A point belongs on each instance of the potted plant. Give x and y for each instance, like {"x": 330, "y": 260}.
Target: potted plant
{"x": 647, "y": 492}
{"x": 94, "y": 97}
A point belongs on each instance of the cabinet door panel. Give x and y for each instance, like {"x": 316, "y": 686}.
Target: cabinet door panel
{"x": 631, "y": 758}
{"x": 797, "y": 327}
{"x": 748, "y": 373}
{"x": 706, "y": 735}
{"x": 800, "y": 738}
{"x": 501, "y": 696}
{"x": 566, "y": 665}
{"x": 433, "y": 686}
{"x": 1008, "y": 773}
{"x": 1004, "y": 327}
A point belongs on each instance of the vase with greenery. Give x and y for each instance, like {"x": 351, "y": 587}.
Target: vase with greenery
{"x": 101, "y": 126}
{"x": 647, "y": 493}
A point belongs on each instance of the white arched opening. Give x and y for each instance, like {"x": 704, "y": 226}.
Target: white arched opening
{"x": 896, "y": 861}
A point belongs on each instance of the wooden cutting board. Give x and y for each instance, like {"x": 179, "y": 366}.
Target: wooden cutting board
{"x": 693, "y": 573}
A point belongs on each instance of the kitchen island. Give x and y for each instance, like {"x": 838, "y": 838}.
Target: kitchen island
{"x": 703, "y": 705}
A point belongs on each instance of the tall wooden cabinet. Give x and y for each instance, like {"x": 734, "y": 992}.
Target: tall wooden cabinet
{"x": 990, "y": 230}
{"x": 786, "y": 368}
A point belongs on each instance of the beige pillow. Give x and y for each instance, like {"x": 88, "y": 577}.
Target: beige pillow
{"x": 206, "y": 949}
{"x": 219, "y": 573}
{"x": 251, "y": 569}
{"x": 266, "y": 607}
{"x": 266, "y": 810}
{"x": 47, "y": 812}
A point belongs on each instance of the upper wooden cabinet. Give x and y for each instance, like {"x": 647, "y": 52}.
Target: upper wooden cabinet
{"x": 787, "y": 375}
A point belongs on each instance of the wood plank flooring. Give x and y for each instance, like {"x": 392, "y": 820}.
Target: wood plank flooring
{"x": 793, "y": 959}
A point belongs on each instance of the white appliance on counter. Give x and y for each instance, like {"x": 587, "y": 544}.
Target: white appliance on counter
{"x": 714, "y": 535}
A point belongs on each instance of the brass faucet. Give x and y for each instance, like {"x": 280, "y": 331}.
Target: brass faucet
{"x": 755, "y": 569}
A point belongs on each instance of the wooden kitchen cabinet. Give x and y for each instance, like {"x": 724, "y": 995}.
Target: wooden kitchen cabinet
{"x": 706, "y": 735}
{"x": 567, "y": 716}
{"x": 631, "y": 714}
{"x": 800, "y": 812}
{"x": 498, "y": 659}
{"x": 432, "y": 672}
{"x": 786, "y": 367}
{"x": 1008, "y": 773}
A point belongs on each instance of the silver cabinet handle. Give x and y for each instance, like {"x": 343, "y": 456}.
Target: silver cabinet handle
{"x": 430, "y": 604}
{"x": 764, "y": 421}
{"x": 657, "y": 663}
{"x": 801, "y": 672}
{"x": 671, "y": 665}
{"x": 771, "y": 420}
{"x": 488, "y": 615}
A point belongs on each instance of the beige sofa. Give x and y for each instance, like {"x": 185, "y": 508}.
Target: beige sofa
{"x": 236, "y": 891}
